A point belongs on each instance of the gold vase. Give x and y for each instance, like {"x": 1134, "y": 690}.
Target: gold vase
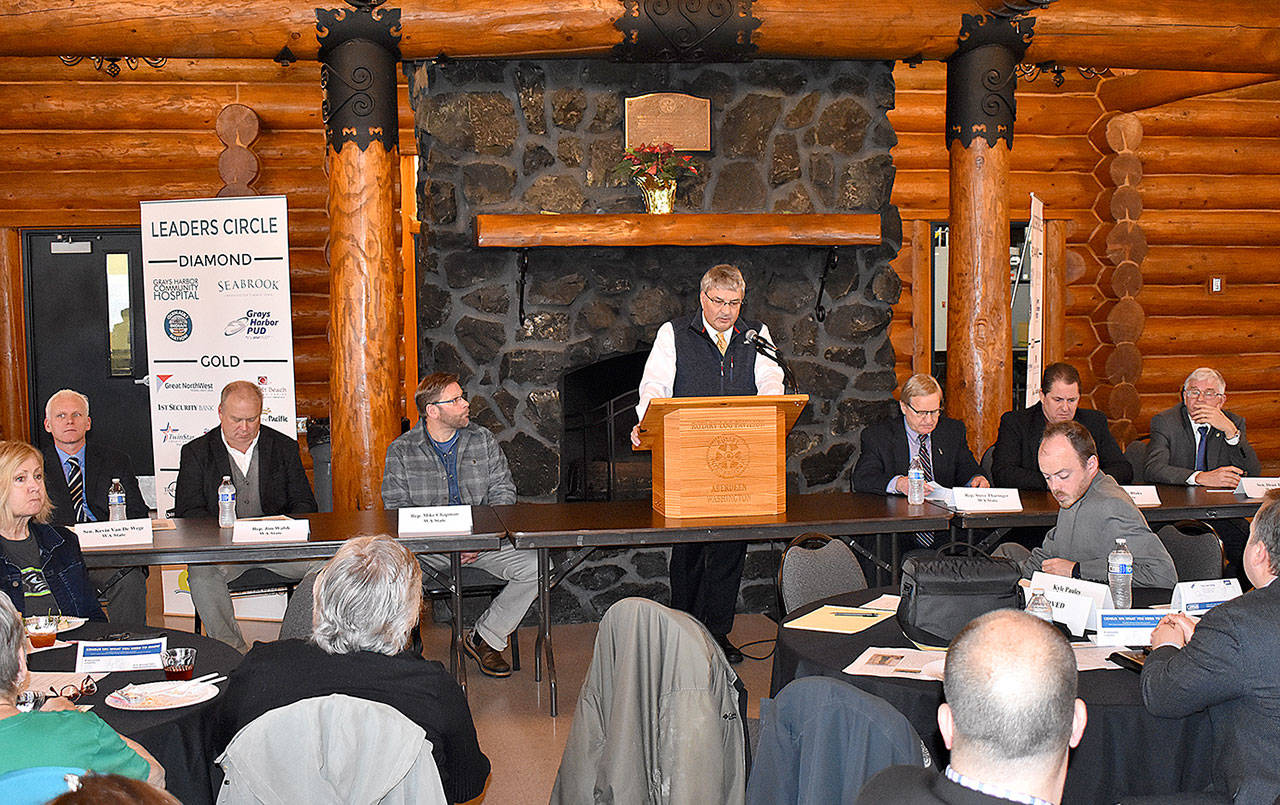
{"x": 659, "y": 194}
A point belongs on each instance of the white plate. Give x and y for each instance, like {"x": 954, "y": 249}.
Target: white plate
{"x": 66, "y": 623}
{"x": 161, "y": 695}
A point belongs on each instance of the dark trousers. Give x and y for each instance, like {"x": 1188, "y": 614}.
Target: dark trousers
{"x": 704, "y": 581}
{"x": 125, "y": 595}
{"x": 1234, "y": 533}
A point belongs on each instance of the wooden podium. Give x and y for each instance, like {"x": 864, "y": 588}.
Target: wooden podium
{"x": 719, "y": 456}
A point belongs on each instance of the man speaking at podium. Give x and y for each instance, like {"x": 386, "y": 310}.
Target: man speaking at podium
{"x": 707, "y": 354}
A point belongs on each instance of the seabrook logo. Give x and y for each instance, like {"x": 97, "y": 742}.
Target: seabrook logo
{"x": 248, "y": 286}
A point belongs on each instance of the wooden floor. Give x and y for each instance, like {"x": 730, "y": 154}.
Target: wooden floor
{"x": 512, "y": 715}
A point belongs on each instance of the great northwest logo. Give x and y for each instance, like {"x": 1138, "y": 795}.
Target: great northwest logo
{"x": 161, "y": 380}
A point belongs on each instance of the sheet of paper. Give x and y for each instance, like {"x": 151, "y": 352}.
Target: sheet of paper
{"x": 1256, "y": 488}
{"x": 943, "y": 495}
{"x": 840, "y": 620}
{"x": 1093, "y": 658}
{"x": 1143, "y": 495}
{"x": 163, "y": 524}
{"x": 284, "y": 530}
{"x": 902, "y": 663}
{"x": 995, "y": 499}
{"x": 886, "y": 602}
{"x": 119, "y": 655}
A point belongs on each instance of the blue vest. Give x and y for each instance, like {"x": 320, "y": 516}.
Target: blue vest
{"x": 700, "y": 369}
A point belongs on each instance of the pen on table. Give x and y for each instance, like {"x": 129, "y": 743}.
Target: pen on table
{"x": 857, "y": 614}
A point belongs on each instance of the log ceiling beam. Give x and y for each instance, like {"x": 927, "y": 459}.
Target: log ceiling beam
{"x": 1209, "y": 35}
{"x": 1151, "y": 88}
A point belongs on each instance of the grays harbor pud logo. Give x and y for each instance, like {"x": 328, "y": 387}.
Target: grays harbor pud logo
{"x": 177, "y": 325}
{"x": 728, "y": 456}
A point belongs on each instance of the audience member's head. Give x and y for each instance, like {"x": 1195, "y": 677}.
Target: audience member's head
{"x": 66, "y": 419}
{"x": 921, "y": 403}
{"x": 240, "y": 413}
{"x": 1068, "y": 460}
{"x": 1262, "y": 551}
{"x": 13, "y": 651}
{"x": 22, "y": 493}
{"x": 1011, "y": 710}
{"x": 113, "y": 789}
{"x": 367, "y": 598}
{"x": 1059, "y": 392}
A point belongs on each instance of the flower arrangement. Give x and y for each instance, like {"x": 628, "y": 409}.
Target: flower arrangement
{"x": 659, "y": 161}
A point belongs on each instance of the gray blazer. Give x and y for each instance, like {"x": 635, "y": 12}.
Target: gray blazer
{"x": 1171, "y": 457}
{"x": 1087, "y": 531}
{"x": 415, "y": 474}
{"x": 1229, "y": 669}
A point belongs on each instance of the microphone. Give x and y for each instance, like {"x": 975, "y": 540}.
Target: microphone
{"x": 765, "y": 348}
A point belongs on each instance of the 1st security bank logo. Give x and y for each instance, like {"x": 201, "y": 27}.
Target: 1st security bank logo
{"x": 254, "y": 325}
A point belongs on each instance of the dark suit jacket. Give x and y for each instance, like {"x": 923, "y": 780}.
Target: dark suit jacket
{"x": 101, "y": 464}
{"x": 1229, "y": 669}
{"x": 1171, "y": 456}
{"x": 1015, "y": 461}
{"x": 912, "y": 785}
{"x": 282, "y": 483}
{"x": 885, "y": 454}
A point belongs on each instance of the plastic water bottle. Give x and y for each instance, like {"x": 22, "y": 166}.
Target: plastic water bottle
{"x": 226, "y": 503}
{"x": 915, "y": 482}
{"x": 115, "y": 501}
{"x": 1040, "y": 606}
{"x": 1120, "y": 575}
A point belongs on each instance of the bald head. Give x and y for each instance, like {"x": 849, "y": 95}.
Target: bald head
{"x": 1011, "y": 684}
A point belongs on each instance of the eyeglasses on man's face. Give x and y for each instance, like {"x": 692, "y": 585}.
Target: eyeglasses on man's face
{"x": 929, "y": 414}
{"x": 451, "y": 401}
{"x": 720, "y": 304}
{"x": 1208, "y": 395}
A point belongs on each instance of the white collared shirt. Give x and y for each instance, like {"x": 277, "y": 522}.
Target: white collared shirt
{"x": 242, "y": 460}
{"x": 1195, "y": 430}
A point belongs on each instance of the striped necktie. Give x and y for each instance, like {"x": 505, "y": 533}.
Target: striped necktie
{"x": 925, "y": 538}
{"x": 75, "y": 485}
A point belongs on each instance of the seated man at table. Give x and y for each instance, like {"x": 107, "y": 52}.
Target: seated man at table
{"x": 889, "y": 447}
{"x": 77, "y": 476}
{"x": 58, "y": 734}
{"x": 1010, "y": 717}
{"x": 1094, "y": 512}
{"x": 1226, "y": 665}
{"x": 449, "y": 461}
{"x": 1014, "y": 455}
{"x": 267, "y": 472}
{"x": 1197, "y": 443}
{"x": 367, "y": 599}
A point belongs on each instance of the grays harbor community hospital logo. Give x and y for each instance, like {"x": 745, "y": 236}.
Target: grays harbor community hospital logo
{"x": 177, "y": 325}
{"x": 728, "y": 456}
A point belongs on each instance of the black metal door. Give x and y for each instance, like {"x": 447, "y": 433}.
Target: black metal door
{"x": 85, "y": 331}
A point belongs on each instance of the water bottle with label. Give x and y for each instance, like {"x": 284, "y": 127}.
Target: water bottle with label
{"x": 1120, "y": 575}
{"x": 226, "y": 503}
{"x": 115, "y": 501}
{"x": 915, "y": 481}
{"x": 1040, "y": 606}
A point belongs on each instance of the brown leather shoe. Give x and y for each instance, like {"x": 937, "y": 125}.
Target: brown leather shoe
{"x": 490, "y": 660}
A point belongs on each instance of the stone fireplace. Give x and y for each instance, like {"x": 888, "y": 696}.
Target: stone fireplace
{"x": 527, "y": 137}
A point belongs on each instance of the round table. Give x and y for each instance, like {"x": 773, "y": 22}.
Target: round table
{"x": 1125, "y": 750}
{"x": 176, "y": 738}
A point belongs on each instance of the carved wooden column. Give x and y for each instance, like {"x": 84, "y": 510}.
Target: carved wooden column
{"x": 359, "y": 52}
{"x": 980, "y": 115}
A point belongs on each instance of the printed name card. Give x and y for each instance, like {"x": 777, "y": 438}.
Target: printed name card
{"x": 1198, "y": 597}
{"x": 1075, "y": 602}
{"x": 435, "y": 520}
{"x": 271, "y": 531}
{"x": 109, "y": 533}
{"x": 119, "y": 655}
{"x": 1127, "y": 627}
{"x": 969, "y": 499}
{"x": 1143, "y": 495}
{"x": 1256, "y": 487}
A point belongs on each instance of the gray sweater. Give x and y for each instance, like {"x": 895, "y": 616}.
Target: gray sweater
{"x": 1087, "y": 531}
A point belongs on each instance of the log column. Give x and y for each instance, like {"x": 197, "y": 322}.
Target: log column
{"x": 359, "y": 52}
{"x": 980, "y": 115}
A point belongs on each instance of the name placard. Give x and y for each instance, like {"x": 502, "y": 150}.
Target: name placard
{"x": 1143, "y": 495}
{"x": 1075, "y": 602}
{"x": 420, "y": 520}
{"x": 1256, "y": 487}
{"x": 970, "y": 499}
{"x": 110, "y": 533}
{"x": 94, "y": 656}
{"x": 1198, "y": 597}
{"x": 271, "y": 531}
{"x": 1127, "y": 627}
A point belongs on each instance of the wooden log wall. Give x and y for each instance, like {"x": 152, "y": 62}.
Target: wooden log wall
{"x": 79, "y": 148}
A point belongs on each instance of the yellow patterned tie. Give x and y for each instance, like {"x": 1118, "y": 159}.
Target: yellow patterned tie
{"x": 721, "y": 344}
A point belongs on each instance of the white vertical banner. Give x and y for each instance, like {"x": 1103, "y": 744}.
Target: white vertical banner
{"x": 216, "y": 274}
{"x": 1035, "y": 320}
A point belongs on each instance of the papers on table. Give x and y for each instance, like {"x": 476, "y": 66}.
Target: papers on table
{"x": 971, "y": 499}
{"x": 840, "y": 620}
{"x": 119, "y": 655}
{"x": 109, "y": 533}
{"x": 903, "y": 663}
{"x": 1198, "y": 597}
{"x": 1126, "y": 627}
{"x": 1143, "y": 495}
{"x": 886, "y": 602}
{"x": 1255, "y": 488}
{"x": 1075, "y": 602}
{"x": 1093, "y": 658}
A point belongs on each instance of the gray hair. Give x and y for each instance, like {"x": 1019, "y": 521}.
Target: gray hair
{"x": 724, "y": 276}
{"x": 1266, "y": 529}
{"x": 13, "y": 648}
{"x": 240, "y": 388}
{"x": 1206, "y": 373}
{"x": 919, "y": 386}
{"x": 48, "y": 406}
{"x": 367, "y": 597}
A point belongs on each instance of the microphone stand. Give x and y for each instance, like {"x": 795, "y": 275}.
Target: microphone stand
{"x": 771, "y": 352}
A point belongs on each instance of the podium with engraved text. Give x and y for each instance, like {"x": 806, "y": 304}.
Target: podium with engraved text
{"x": 720, "y": 456}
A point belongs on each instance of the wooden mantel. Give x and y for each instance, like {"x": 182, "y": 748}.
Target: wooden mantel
{"x": 696, "y": 229}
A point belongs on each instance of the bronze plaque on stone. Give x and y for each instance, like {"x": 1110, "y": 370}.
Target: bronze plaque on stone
{"x": 669, "y": 117}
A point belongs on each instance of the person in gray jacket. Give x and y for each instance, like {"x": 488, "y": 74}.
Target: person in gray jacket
{"x": 447, "y": 461}
{"x": 1094, "y": 512}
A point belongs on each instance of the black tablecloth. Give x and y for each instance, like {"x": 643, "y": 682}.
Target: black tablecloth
{"x": 1125, "y": 749}
{"x": 176, "y": 738}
